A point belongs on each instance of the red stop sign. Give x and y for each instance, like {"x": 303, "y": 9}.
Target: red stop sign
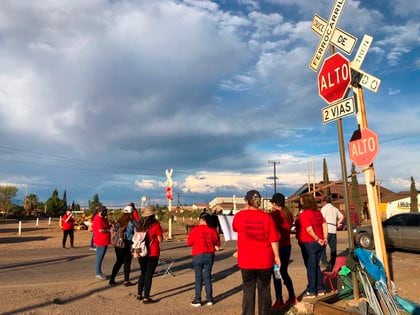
{"x": 334, "y": 78}
{"x": 169, "y": 193}
{"x": 363, "y": 150}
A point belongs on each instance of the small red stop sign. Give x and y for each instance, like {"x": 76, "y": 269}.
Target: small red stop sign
{"x": 169, "y": 193}
{"x": 334, "y": 78}
{"x": 363, "y": 150}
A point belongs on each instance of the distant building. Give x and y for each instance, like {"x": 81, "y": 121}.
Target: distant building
{"x": 400, "y": 204}
{"x": 233, "y": 204}
{"x": 337, "y": 195}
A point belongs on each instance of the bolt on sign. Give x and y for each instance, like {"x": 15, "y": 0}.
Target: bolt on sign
{"x": 327, "y": 34}
{"x": 363, "y": 147}
{"x": 334, "y": 78}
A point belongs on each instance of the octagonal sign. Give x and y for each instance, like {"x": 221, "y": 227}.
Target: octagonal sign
{"x": 334, "y": 78}
{"x": 363, "y": 147}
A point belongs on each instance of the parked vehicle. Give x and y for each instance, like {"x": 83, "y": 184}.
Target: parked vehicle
{"x": 400, "y": 231}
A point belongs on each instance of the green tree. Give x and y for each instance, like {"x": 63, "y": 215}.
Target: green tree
{"x": 64, "y": 201}
{"x": 94, "y": 203}
{"x": 30, "y": 204}
{"x": 75, "y": 206}
{"x": 326, "y": 179}
{"x": 54, "y": 204}
{"x": 7, "y": 192}
{"x": 355, "y": 194}
{"x": 414, "y": 203}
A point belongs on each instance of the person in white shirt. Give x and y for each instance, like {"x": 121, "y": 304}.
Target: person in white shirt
{"x": 334, "y": 219}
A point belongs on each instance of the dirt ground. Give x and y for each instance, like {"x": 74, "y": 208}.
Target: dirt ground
{"x": 50, "y": 290}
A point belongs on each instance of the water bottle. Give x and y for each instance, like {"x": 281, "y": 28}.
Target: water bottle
{"x": 276, "y": 270}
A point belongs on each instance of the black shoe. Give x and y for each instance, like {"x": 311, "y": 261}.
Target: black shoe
{"x": 128, "y": 283}
{"x": 112, "y": 282}
{"x": 148, "y": 301}
{"x": 139, "y": 297}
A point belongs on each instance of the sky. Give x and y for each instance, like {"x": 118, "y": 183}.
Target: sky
{"x": 102, "y": 96}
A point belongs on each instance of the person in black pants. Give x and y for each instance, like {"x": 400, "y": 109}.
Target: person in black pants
{"x": 123, "y": 254}
{"x": 67, "y": 224}
{"x": 149, "y": 224}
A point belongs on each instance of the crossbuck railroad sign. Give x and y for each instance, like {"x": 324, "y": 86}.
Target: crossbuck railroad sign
{"x": 327, "y": 34}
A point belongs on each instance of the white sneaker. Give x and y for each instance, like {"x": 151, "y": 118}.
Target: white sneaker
{"x": 209, "y": 303}
{"x": 101, "y": 277}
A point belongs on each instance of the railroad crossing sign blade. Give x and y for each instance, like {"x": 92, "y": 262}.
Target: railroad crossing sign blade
{"x": 338, "y": 110}
{"x": 362, "y": 51}
{"x": 363, "y": 147}
{"x": 327, "y": 35}
{"x": 365, "y": 79}
{"x": 340, "y": 39}
{"x": 334, "y": 78}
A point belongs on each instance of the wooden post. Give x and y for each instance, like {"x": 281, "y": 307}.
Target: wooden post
{"x": 372, "y": 192}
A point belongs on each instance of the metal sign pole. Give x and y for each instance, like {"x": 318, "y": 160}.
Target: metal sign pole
{"x": 345, "y": 192}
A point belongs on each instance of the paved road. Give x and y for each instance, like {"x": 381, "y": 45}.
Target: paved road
{"x": 62, "y": 281}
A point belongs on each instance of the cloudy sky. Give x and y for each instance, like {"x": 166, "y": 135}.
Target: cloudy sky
{"x": 102, "y": 96}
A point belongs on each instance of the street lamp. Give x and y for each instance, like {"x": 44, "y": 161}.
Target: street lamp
{"x": 274, "y": 163}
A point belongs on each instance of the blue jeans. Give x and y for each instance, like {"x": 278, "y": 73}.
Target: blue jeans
{"x": 284, "y": 263}
{"x": 332, "y": 243}
{"x": 202, "y": 267}
{"x": 100, "y": 254}
{"x": 259, "y": 278}
{"x": 314, "y": 274}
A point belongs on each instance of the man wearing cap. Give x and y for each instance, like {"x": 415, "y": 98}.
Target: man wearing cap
{"x": 258, "y": 251}
{"x": 334, "y": 219}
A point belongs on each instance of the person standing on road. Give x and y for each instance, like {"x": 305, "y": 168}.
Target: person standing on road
{"x": 123, "y": 254}
{"x": 258, "y": 250}
{"x": 148, "y": 223}
{"x": 313, "y": 235}
{"x": 204, "y": 241}
{"x": 67, "y": 224}
{"x": 284, "y": 221}
{"x": 101, "y": 239}
{"x": 135, "y": 212}
{"x": 334, "y": 219}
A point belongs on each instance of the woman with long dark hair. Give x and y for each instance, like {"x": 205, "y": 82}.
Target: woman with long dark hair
{"x": 123, "y": 254}
{"x": 101, "y": 238}
{"x": 149, "y": 224}
{"x": 313, "y": 234}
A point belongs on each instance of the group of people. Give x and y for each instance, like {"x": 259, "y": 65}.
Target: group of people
{"x": 263, "y": 243}
{"x": 129, "y": 222}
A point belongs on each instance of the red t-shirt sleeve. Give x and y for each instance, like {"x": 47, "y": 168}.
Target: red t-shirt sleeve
{"x": 153, "y": 233}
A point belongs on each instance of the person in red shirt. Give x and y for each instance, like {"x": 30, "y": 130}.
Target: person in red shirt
{"x": 258, "y": 250}
{"x": 67, "y": 225}
{"x": 204, "y": 241}
{"x": 313, "y": 235}
{"x": 101, "y": 239}
{"x": 151, "y": 225}
{"x": 135, "y": 212}
{"x": 284, "y": 221}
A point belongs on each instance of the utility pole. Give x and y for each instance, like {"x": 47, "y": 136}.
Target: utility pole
{"x": 275, "y": 176}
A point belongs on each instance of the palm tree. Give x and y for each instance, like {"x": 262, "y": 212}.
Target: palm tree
{"x": 30, "y": 203}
